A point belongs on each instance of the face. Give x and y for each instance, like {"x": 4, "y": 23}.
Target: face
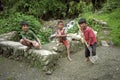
{"x": 60, "y": 25}
{"x": 83, "y": 26}
{"x": 25, "y": 28}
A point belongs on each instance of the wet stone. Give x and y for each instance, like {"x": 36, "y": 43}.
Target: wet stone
{"x": 104, "y": 43}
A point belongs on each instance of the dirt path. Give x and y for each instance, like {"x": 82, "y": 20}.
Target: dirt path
{"x": 107, "y": 69}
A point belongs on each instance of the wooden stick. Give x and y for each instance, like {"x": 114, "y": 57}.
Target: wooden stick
{"x": 82, "y": 34}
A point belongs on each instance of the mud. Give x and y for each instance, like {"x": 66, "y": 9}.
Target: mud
{"x": 108, "y": 68}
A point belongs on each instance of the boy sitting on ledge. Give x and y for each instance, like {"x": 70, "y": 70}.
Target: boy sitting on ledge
{"x": 61, "y": 35}
{"x": 28, "y": 37}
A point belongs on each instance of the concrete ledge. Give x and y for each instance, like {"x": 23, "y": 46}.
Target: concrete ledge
{"x": 38, "y": 58}
{"x": 45, "y": 58}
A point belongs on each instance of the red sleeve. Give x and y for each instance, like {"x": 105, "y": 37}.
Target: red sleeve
{"x": 91, "y": 33}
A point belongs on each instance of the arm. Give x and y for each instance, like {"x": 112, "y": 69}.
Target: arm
{"x": 63, "y": 35}
{"x": 38, "y": 40}
{"x": 90, "y": 39}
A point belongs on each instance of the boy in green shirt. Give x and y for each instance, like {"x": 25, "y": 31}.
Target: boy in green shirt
{"x": 28, "y": 37}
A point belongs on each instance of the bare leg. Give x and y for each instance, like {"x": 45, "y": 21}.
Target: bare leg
{"x": 68, "y": 52}
{"x": 24, "y": 42}
{"x": 36, "y": 45}
{"x": 58, "y": 43}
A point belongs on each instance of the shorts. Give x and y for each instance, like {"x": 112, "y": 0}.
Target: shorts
{"x": 87, "y": 52}
{"x": 65, "y": 42}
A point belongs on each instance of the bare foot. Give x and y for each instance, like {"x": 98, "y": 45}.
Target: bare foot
{"x": 58, "y": 44}
{"x": 40, "y": 47}
{"x": 69, "y": 58}
{"x": 86, "y": 59}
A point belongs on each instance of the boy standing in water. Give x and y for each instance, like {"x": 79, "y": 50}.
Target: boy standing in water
{"x": 89, "y": 37}
{"x": 61, "y": 35}
{"x": 28, "y": 37}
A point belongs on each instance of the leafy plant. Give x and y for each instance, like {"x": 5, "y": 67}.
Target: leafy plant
{"x": 12, "y": 23}
{"x": 74, "y": 29}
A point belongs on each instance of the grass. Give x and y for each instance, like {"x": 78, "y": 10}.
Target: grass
{"x": 113, "y": 20}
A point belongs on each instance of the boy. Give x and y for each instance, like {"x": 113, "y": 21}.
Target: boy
{"x": 89, "y": 37}
{"x": 28, "y": 37}
{"x": 61, "y": 35}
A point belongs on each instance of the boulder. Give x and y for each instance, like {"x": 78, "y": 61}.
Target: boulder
{"x": 101, "y": 22}
{"x": 75, "y": 46}
{"x": 36, "y": 57}
{"x": 13, "y": 36}
{"x": 104, "y": 43}
{"x": 45, "y": 58}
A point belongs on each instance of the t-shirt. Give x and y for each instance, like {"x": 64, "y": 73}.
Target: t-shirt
{"x": 29, "y": 35}
{"x": 88, "y": 33}
{"x": 62, "y": 32}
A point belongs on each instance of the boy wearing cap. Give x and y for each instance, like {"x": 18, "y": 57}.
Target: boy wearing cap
{"x": 89, "y": 37}
{"x": 28, "y": 37}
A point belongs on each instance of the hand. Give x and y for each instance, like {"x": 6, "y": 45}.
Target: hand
{"x": 88, "y": 45}
{"x": 40, "y": 47}
{"x": 58, "y": 36}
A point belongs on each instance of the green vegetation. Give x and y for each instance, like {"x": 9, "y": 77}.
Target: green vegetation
{"x": 33, "y": 11}
{"x": 113, "y": 20}
{"x": 12, "y": 23}
{"x": 45, "y": 9}
{"x": 110, "y": 14}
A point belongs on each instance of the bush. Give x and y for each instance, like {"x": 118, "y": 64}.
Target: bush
{"x": 12, "y": 23}
{"x": 46, "y": 9}
{"x": 110, "y": 5}
{"x": 114, "y": 23}
{"x": 74, "y": 29}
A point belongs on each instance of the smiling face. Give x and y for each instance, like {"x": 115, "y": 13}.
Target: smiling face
{"x": 25, "y": 28}
{"x": 83, "y": 26}
{"x": 60, "y": 25}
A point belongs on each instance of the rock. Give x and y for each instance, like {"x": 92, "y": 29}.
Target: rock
{"x": 37, "y": 57}
{"x": 45, "y": 58}
{"x": 104, "y": 43}
{"x": 101, "y": 22}
{"x": 75, "y": 46}
{"x": 117, "y": 69}
{"x": 13, "y": 36}
{"x": 73, "y": 36}
{"x": 48, "y": 72}
{"x": 111, "y": 43}
{"x": 77, "y": 36}
{"x": 53, "y": 24}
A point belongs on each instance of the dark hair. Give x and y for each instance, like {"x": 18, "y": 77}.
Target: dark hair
{"x": 59, "y": 22}
{"x": 24, "y": 23}
{"x": 82, "y": 20}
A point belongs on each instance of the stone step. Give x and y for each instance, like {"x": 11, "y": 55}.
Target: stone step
{"x": 45, "y": 58}
{"x": 38, "y": 57}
